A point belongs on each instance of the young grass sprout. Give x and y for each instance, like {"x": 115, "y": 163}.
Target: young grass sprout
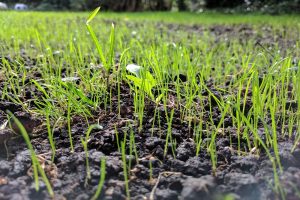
{"x": 37, "y": 168}
{"x": 85, "y": 147}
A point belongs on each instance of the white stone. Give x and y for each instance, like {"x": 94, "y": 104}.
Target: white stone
{"x": 3, "y": 6}
{"x": 21, "y": 6}
{"x": 135, "y": 69}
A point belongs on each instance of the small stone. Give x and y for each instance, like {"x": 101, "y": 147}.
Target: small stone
{"x": 166, "y": 194}
{"x": 287, "y": 159}
{"x": 195, "y": 167}
{"x": 176, "y": 165}
{"x": 244, "y": 185}
{"x": 152, "y": 142}
{"x": 82, "y": 197}
{"x": 239, "y": 179}
{"x": 246, "y": 163}
{"x": 185, "y": 150}
{"x": 194, "y": 188}
{"x": 4, "y": 167}
{"x": 16, "y": 196}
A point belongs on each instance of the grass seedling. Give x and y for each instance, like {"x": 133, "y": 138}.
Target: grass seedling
{"x": 198, "y": 137}
{"x": 102, "y": 179}
{"x": 117, "y": 138}
{"x": 274, "y": 131}
{"x": 297, "y": 95}
{"x": 150, "y": 170}
{"x": 143, "y": 82}
{"x": 173, "y": 147}
{"x": 139, "y": 104}
{"x": 169, "y": 131}
{"x": 50, "y": 135}
{"x": 143, "y": 79}
{"x": 212, "y": 145}
{"x": 37, "y": 168}
{"x": 69, "y": 125}
{"x": 132, "y": 146}
{"x": 264, "y": 146}
{"x": 125, "y": 172}
{"x": 107, "y": 64}
{"x": 84, "y": 144}
{"x": 94, "y": 37}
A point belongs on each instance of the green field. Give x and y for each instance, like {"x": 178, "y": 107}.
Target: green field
{"x": 203, "y": 79}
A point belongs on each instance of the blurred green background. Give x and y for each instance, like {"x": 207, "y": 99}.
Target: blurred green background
{"x": 228, "y": 6}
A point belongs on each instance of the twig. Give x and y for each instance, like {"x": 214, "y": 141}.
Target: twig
{"x": 154, "y": 188}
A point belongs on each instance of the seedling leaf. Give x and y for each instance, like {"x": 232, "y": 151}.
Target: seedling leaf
{"x": 92, "y": 15}
{"x": 137, "y": 81}
{"x": 35, "y": 162}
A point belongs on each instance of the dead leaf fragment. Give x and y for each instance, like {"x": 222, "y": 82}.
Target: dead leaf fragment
{"x": 3, "y": 181}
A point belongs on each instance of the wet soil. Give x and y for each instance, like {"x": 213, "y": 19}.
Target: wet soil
{"x": 178, "y": 175}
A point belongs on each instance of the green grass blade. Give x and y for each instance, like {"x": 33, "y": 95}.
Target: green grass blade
{"x": 102, "y": 179}
{"x": 112, "y": 45}
{"x": 92, "y": 15}
{"x": 98, "y": 46}
{"x": 35, "y": 163}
